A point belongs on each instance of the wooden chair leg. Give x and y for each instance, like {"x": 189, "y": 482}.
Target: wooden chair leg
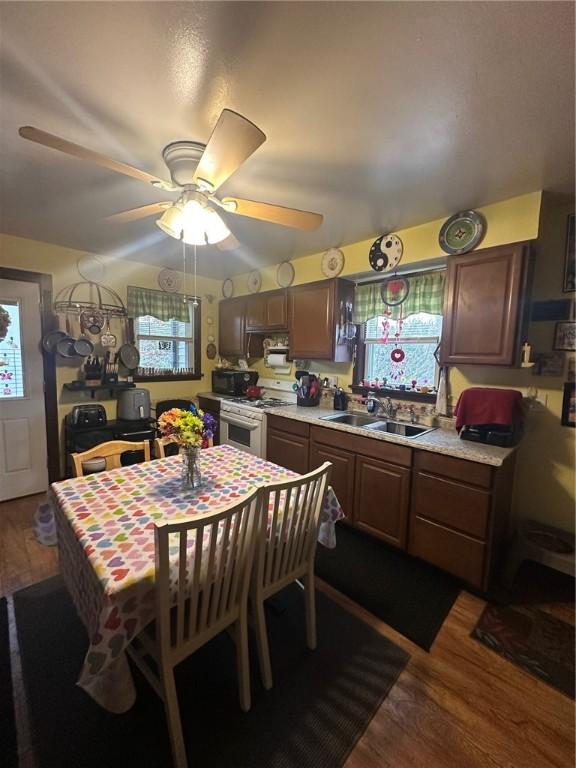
{"x": 310, "y": 600}
{"x": 243, "y": 661}
{"x": 262, "y": 641}
{"x": 173, "y": 718}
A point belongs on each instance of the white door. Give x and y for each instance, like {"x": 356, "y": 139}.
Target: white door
{"x": 23, "y": 453}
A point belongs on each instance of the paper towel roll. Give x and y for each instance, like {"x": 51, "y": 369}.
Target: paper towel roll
{"x": 276, "y": 360}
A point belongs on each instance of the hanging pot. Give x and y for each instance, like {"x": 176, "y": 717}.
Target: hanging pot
{"x": 83, "y": 347}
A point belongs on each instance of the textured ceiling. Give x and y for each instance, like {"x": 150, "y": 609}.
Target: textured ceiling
{"x": 378, "y": 115}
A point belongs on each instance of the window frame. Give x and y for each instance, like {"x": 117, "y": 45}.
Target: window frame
{"x": 196, "y": 350}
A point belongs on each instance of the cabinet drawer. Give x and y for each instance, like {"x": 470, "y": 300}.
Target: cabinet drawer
{"x": 454, "y": 552}
{"x": 367, "y": 446}
{"x": 291, "y": 426}
{"x": 456, "y": 469}
{"x": 459, "y": 506}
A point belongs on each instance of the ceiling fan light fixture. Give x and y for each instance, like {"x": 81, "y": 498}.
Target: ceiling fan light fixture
{"x": 216, "y": 229}
{"x": 171, "y": 221}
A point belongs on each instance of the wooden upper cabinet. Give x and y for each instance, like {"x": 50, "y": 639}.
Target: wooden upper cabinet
{"x": 314, "y": 320}
{"x": 483, "y": 304}
{"x": 267, "y": 311}
{"x": 231, "y": 328}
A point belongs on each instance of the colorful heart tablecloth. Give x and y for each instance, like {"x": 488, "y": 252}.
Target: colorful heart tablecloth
{"x": 105, "y": 527}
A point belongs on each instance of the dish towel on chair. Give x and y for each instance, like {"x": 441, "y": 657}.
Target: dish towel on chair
{"x": 483, "y": 405}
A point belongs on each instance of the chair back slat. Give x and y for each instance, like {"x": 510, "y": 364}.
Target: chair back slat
{"x": 211, "y": 562}
{"x": 289, "y": 527}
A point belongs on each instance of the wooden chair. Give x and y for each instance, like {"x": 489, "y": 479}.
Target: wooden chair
{"x": 216, "y": 550}
{"x": 160, "y": 444}
{"x": 285, "y": 551}
{"x": 110, "y": 452}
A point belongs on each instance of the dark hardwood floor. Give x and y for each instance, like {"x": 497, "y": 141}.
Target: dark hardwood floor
{"x": 459, "y": 706}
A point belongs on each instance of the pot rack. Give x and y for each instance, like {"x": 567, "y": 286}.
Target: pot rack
{"x": 79, "y": 297}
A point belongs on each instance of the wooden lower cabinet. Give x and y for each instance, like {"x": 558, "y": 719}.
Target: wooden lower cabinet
{"x": 381, "y": 499}
{"x": 288, "y": 444}
{"x": 342, "y": 478}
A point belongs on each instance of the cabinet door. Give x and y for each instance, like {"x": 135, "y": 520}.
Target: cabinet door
{"x": 342, "y": 478}
{"x": 231, "y": 327}
{"x": 256, "y": 312}
{"x": 287, "y": 450}
{"x": 483, "y": 299}
{"x": 311, "y": 320}
{"x": 277, "y": 310}
{"x": 381, "y": 499}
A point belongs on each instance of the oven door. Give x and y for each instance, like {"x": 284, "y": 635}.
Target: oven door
{"x": 241, "y": 432}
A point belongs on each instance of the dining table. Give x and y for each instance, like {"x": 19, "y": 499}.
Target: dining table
{"x": 105, "y": 526}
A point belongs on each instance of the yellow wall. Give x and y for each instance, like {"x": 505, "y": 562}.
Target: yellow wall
{"x": 61, "y": 263}
{"x": 545, "y": 476}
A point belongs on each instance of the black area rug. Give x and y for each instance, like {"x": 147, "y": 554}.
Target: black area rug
{"x": 319, "y": 706}
{"x": 411, "y": 596}
{"x": 8, "y": 738}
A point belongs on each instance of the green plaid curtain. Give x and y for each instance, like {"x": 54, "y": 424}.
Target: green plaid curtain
{"x": 159, "y": 304}
{"x": 426, "y": 295}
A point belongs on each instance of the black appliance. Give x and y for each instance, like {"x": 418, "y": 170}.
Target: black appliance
{"x": 80, "y": 438}
{"x": 492, "y": 434}
{"x": 233, "y": 381}
{"x": 93, "y": 415}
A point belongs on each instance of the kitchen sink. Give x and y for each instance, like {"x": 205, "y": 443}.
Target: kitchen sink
{"x": 379, "y": 425}
{"x": 399, "y": 428}
{"x": 353, "y": 420}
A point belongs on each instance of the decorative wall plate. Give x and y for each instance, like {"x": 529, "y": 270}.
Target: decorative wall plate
{"x": 332, "y": 262}
{"x": 285, "y": 274}
{"x": 385, "y": 253}
{"x": 170, "y": 280}
{"x": 211, "y": 351}
{"x": 227, "y": 288}
{"x": 462, "y": 232}
{"x": 91, "y": 268}
{"x": 254, "y": 281}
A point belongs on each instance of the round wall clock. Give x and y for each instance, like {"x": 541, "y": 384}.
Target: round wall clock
{"x": 169, "y": 280}
{"x": 254, "y": 281}
{"x": 91, "y": 268}
{"x": 385, "y": 253}
{"x": 285, "y": 274}
{"x": 462, "y": 232}
{"x": 227, "y": 288}
{"x": 332, "y": 262}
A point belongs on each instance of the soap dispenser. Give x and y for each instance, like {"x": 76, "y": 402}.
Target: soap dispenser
{"x": 340, "y": 400}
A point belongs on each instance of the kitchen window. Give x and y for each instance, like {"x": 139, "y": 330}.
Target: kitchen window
{"x": 399, "y": 340}
{"x": 419, "y": 335}
{"x": 166, "y": 330}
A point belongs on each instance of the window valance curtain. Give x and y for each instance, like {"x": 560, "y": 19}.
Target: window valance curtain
{"x": 426, "y": 295}
{"x": 159, "y": 304}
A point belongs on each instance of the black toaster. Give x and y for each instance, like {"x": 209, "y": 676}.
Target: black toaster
{"x": 87, "y": 416}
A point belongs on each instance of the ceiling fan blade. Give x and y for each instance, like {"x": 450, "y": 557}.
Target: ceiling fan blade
{"x": 138, "y": 213}
{"x": 62, "y": 145}
{"x": 233, "y": 140}
{"x": 277, "y": 214}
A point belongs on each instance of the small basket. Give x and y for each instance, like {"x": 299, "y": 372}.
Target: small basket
{"x": 308, "y": 402}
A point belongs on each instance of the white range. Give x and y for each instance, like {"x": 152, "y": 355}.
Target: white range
{"x": 243, "y": 421}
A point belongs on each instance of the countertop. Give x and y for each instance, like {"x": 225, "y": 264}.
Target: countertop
{"x": 438, "y": 441}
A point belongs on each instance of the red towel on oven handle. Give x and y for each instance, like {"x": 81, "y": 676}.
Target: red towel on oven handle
{"x": 484, "y": 405}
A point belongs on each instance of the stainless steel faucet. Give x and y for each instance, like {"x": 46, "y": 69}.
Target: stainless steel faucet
{"x": 412, "y": 415}
{"x": 390, "y": 409}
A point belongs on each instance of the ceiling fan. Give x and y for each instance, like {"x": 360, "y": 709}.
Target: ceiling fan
{"x": 196, "y": 170}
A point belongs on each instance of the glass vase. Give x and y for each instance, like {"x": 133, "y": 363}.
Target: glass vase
{"x": 191, "y": 475}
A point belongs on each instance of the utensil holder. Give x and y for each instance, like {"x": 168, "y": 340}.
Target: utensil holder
{"x": 307, "y": 402}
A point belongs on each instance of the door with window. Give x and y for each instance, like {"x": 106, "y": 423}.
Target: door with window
{"x": 23, "y": 451}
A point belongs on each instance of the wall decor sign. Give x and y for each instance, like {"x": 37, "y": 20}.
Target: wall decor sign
{"x": 565, "y": 337}
{"x": 549, "y": 364}
{"x": 553, "y": 309}
{"x": 569, "y": 405}
{"x": 570, "y": 258}
{"x": 462, "y": 232}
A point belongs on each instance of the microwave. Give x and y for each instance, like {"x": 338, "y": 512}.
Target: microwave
{"x": 233, "y": 382}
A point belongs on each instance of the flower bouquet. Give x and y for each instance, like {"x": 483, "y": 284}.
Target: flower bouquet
{"x": 193, "y": 429}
